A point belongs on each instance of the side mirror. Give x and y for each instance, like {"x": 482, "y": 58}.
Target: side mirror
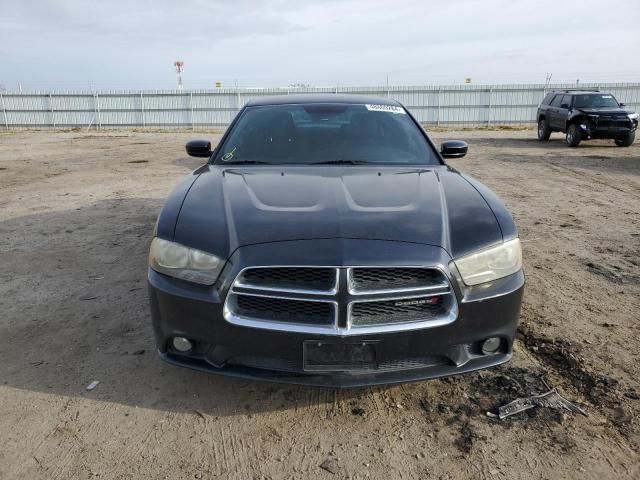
{"x": 564, "y": 105}
{"x": 198, "y": 148}
{"x": 622, "y": 104}
{"x": 453, "y": 149}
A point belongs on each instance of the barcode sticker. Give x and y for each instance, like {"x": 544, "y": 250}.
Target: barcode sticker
{"x": 386, "y": 108}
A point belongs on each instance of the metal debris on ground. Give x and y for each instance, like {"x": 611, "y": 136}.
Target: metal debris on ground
{"x": 92, "y": 385}
{"x": 550, "y": 399}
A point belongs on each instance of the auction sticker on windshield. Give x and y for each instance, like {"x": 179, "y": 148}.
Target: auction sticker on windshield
{"x": 385, "y": 108}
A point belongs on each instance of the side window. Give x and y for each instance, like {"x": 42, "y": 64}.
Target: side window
{"x": 556, "y": 101}
{"x": 547, "y": 99}
{"x": 566, "y": 99}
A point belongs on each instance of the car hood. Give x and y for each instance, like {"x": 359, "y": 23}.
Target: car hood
{"x": 227, "y": 208}
{"x": 603, "y": 111}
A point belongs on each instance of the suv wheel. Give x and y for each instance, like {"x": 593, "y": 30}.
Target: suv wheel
{"x": 574, "y": 135}
{"x": 544, "y": 132}
{"x": 626, "y": 141}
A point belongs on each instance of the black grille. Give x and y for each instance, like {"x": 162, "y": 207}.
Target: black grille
{"x": 396, "y": 311}
{"x": 286, "y": 365}
{"x": 363, "y": 279}
{"x": 288, "y": 311}
{"x": 266, "y": 363}
{"x": 606, "y": 121}
{"x": 408, "y": 363}
{"x": 296, "y": 278}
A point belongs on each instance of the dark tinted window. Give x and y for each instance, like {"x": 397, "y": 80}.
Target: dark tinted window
{"x": 302, "y": 134}
{"x": 556, "y": 101}
{"x": 566, "y": 100}
{"x": 547, "y": 99}
{"x": 596, "y": 101}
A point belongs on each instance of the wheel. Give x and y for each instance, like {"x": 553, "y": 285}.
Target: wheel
{"x": 626, "y": 141}
{"x": 544, "y": 132}
{"x": 574, "y": 135}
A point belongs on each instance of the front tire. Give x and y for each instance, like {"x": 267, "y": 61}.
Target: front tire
{"x": 574, "y": 135}
{"x": 544, "y": 132}
{"x": 626, "y": 141}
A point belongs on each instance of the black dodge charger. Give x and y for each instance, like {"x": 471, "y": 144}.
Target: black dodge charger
{"x": 326, "y": 242}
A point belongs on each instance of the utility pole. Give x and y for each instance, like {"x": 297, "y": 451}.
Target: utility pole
{"x": 179, "y": 64}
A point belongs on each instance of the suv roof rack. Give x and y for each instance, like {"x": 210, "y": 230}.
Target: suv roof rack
{"x": 569, "y": 90}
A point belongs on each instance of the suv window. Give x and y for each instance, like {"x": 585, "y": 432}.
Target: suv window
{"x": 566, "y": 99}
{"x": 547, "y": 99}
{"x": 596, "y": 101}
{"x": 556, "y": 101}
{"x": 328, "y": 132}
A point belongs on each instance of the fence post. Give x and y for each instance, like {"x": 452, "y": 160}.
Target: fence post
{"x": 438, "y": 118}
{"x": 53, "y": 118}
{"x": 95, "y": 108}
{"x": 191, "y": 105}
{"x": 4, "y": 112}
{"x": 489, "y": 112}
{"x": 98, "y": 111}
{"x": 144, "y": 123}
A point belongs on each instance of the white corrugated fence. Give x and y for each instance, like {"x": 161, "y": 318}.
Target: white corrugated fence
{"x": 472, "y": 105}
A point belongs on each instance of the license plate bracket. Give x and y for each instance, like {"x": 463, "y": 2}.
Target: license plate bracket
{"x": 318, "y": 356}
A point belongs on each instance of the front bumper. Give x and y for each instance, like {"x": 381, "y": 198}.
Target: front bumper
{"x": 595, "y": 129}
{"x": 195, "y": 312}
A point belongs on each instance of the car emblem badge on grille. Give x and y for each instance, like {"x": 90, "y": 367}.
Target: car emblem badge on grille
{"x": 419, "y": 301}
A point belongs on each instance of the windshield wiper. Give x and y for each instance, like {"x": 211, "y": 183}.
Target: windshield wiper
{"x": 338, "y": 162}
{"x": 246, "y": 162}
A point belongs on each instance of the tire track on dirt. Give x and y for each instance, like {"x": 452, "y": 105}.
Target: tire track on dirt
{"x": 591, "y": 178}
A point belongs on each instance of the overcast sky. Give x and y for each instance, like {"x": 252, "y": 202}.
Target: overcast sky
{"x": 133, "y": 43}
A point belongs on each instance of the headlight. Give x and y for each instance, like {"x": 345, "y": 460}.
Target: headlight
{"x": 634, "y": 116}
{"x": 183, "y": 262}
{"x": 490, "y": 264}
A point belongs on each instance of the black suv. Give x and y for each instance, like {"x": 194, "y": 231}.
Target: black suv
{"x": 586, "y": 114}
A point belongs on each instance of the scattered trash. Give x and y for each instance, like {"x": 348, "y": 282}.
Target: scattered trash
{"x": 550, "y": 399}
{"x": 330, "y": 465}
{"x": 92, "y": 385}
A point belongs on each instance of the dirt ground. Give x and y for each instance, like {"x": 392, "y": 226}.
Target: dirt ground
{"x": 76, "y": 213}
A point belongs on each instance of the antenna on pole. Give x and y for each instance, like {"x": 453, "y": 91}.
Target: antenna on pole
{"x": 179, "y": 64}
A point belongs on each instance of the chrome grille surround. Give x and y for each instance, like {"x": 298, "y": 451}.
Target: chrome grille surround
{"x": 388, "y": 305}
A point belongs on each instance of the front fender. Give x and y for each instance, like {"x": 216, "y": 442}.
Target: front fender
{"x": 166, "y": 224}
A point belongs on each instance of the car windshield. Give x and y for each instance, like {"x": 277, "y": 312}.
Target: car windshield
{"x": 326, "y": 133}
{"x": 595, "y": 101}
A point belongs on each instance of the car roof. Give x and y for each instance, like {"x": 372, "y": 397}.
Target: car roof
{"x": 580, "y": 92}
{"x": 303, "y": 98}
